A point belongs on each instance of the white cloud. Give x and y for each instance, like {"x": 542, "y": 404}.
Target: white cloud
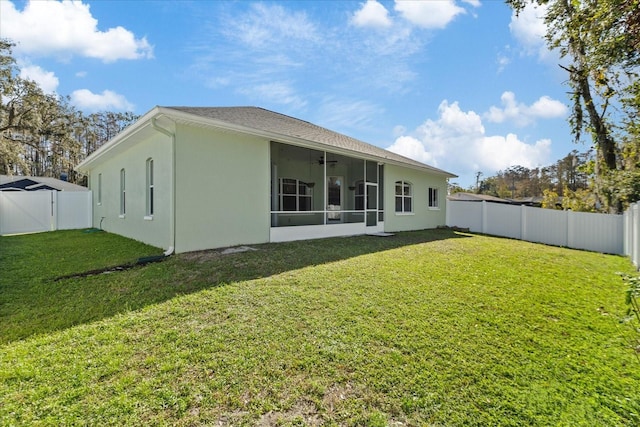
{"x": 47, "y": 80}
{"x": 372, "y": 14}
{"x": 456, "y": 141}
{"x": 276, "y": 92}
{"x": 521, "y": 114}
{"x": 428, "y": 14}
{"x": 529, "y": 29}
{"x": 272, "y": 24}
{"x": 65, "y": 29}
{"x": 502, "y": 61}
{"x": 547, "y": 108}
{"x": 500, "y": 152}
{"x": 107, "y": 100}
{"x": 399, "y": 130}
{"x": 412, "y": 148}
{"x": 347, "y": 114}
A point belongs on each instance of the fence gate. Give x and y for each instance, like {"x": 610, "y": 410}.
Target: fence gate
{"x": 36, "y": 211}
{"x": 27, "y": 211}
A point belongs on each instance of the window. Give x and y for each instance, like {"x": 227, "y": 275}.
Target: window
{"x": 123, "y": 194}
{"x": 294, "y": 195}
{"x": 433, "y": 198}
{"x": 149, "y": 210}
{"x": 99, "y": 188}
{"x": 403, "y": 197}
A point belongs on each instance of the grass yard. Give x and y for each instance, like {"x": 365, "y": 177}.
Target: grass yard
{"x": 423, "y": 328}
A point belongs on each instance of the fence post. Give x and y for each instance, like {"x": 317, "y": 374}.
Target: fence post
{"x": 54, "y": 210}
{"x": 625, "y": 230}
{"x": 485, "y": 218}
{"x": 635, "y": 236}
{"x": 2, "y": 204}
{"x": 523, "y": 223}
{"x": 569, "y": 241}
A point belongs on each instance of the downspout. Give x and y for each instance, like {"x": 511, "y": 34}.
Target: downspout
{"x": 172, "y": 189}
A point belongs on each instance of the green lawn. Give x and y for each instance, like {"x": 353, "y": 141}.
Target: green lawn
{"x": 423, "y": 328}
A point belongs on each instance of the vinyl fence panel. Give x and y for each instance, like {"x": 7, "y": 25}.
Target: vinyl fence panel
{"x": 546, "y": 226}
{"x": 74, "y": 210}
{"x": 596, "y": 232}
{"x": 503, "y": 220}
{"x": 26, "y": 211}
{"x": 465, "y": 214}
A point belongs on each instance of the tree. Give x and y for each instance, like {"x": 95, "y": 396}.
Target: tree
{"x": 23, "y": 110}
{"x": 454, "y": 187}
{"x": 43, "y": 134}
{"x": 600, "y": 38}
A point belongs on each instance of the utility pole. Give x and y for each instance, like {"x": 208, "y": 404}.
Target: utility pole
{"x": 478, "y": 175}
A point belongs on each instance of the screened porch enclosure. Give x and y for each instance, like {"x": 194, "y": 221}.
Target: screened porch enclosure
{"x": 317, "y": 188}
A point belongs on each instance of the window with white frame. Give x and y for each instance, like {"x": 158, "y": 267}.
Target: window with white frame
{"x": 99, "y": 188}
{"x": 123, "y": 193}
{"x": 404, "y": 197}
{"x": 433, "y": 198}
{"x": 149, "y": 210}
{"x": 295, "y": 195}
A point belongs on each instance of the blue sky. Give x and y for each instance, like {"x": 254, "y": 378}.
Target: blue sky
{"x": 462, "y": 85}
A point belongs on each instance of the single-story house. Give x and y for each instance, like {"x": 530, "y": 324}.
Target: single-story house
{"x": 36, "y": 183}
{"x": 193, "y": 178}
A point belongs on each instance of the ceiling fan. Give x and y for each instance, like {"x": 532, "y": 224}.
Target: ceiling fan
{"x": 322, "y": 161}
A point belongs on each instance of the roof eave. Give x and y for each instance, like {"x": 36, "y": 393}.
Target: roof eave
{"x": 278, "y": 137}
{"x": 194, "y": 119}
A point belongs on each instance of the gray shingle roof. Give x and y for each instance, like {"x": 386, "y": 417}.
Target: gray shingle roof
{"x": 39, "y": 182}
{"x": 269, "y": 121}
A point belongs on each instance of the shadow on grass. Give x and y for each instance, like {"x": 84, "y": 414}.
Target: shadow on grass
{"x": 33, "y": 302}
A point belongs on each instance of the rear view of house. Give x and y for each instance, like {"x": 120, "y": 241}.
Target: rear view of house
{"x": 187, "y": 178}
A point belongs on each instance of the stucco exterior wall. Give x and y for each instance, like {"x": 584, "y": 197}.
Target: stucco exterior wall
{"x": 222, "y": 189}
{"x": 106, "y": 206}
{"x": 422, "y": 216}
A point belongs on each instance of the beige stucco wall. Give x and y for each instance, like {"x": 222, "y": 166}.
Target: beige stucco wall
{"x": 155, "y": 230}
{"x": 422, "y": 217}
{"x": 222, "y": 189}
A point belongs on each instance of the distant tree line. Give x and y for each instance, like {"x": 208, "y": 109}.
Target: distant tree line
{"x": 570, "y": 173}
{"x": 567, "y": 179}
{"x": 43, "y": 134}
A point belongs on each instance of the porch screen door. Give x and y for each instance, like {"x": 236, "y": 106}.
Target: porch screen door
{"x": 372, "y": 204}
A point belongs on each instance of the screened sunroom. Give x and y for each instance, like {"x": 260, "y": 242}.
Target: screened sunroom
{"x": 319, "y": 193}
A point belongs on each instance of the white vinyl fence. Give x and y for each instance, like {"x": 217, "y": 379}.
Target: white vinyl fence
{"x": 631, "y": 219}
{"x": 593, "y": 232}
{"x": 35, "y": 211}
